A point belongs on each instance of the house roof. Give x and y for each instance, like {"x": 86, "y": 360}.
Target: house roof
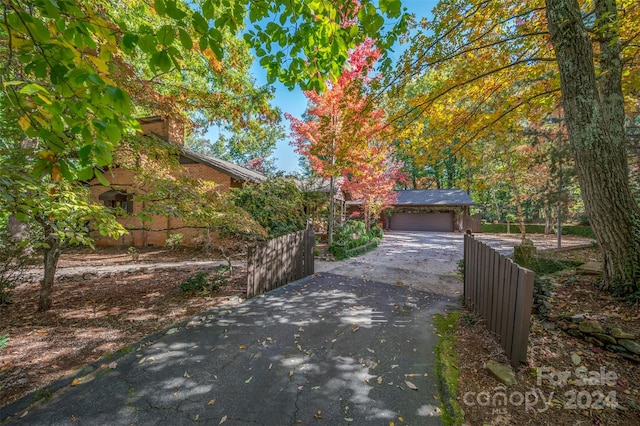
{"x": 318, "y": 184}
{"x": 238, "y": 173}
{"x": 433, "y": 197}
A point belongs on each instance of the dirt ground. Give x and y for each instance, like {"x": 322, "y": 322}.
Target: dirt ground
{"x": 93, "y": 316}
{"x": 551, "y": 389}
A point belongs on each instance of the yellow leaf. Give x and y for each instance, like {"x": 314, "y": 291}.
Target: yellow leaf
{"x": 213, "y": 401}
{"x": 400, "y": 419}
{"x": 410, "y": 385}
{"x": 392, "y": 424}
{"x": 75, "y": 382}
{"x": 243, "y": 347}
{"x": 24, "y": 122}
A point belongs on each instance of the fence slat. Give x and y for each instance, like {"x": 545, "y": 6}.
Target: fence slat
{"x": 522, "y": 316}
{"x": 502, "y": 293}
{"x": 279, "y": 261}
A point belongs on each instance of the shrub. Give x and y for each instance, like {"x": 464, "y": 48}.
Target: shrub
{"x": 174, "y": 241}
{"x": 352, "y": 239}
{"x": 205, "y": 282}
{"x": 3, "y": 340}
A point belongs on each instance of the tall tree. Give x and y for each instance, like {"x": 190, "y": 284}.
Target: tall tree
{"x": 341, "y": 123}
{"x": 502, "y": 58}
{"x": 595, "y": 115}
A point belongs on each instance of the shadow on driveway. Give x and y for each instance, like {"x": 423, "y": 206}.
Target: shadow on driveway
{"x": 326, "y": 347}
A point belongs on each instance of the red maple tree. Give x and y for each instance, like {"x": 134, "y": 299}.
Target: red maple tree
{"x": 344, "y": 135}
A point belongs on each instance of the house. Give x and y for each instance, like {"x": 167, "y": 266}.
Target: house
{"x": 443, "y": 210}
{"x": 156, "y": 230}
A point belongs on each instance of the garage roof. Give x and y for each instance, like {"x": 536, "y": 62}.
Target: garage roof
{"x": 433, "y": 197}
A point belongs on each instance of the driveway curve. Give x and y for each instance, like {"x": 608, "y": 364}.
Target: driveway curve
{"x": 426, "y": 261}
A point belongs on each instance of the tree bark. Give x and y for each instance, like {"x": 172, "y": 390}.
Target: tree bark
{"x": 51, "y": 257}
{"x": 594, "y": 112}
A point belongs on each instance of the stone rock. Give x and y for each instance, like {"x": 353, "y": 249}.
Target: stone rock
{"x": 575, "y": 359}
{"x": 577, "y": 317}
{"x": 503, "y": 373}
{"x": 89, "y": 276}
{"x": 632, "y": 357}
{"x": 617, "y": 348}
{"x": 590, "y": 268}
{"x": 630, "y": 345}
{"x": 605, "y": 338}
{"x": 593, "y": 341}
{"x": 590, "y": 326}
{"x": 619, "y": 334}
{"x": 574, "y": 332}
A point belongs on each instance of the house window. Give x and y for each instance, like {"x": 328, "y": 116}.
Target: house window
{"x": 120, "y": 202}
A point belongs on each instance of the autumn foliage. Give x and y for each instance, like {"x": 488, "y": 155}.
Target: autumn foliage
{"x": 345, "y": 135}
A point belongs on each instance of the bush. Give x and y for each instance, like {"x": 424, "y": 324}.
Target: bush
{"x": 352, "y": 239}
{"x": 535, "y": 228}
{"x": 205, "y": 282}
{"x": 174, "y": 241}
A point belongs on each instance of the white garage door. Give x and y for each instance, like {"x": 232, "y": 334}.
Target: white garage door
{"x": 440, "y": 222}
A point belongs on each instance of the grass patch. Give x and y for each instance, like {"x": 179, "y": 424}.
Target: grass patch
{"x": 447, "y": 369}
{"x": 120, "y": 352}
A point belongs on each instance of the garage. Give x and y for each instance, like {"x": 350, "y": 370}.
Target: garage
{"x": 435, "y": 210}
{"x": 437, "y": 222}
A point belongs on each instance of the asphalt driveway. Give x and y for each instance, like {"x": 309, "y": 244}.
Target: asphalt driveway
{"x": 426, "y": 261}
{"x": 351, "y": 345}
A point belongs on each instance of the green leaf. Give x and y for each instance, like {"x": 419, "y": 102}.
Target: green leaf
{"x": 85, "y": 174}
{"x": 185, "y": 39}
{"x": 173, "y": 11}
{"x": 66, "y": 170}
{"x": 101, "y": 178}
{"x": 129, "y": 41}
{"x": 199, "y": 23}
{"x": 160, "y": 7}
{"x": 166, "y": 35}
{"x": 161, "y": 61}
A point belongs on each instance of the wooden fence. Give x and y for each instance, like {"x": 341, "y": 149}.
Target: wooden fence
{"x": 502, "y": 293}
{"x": 279, "y": 261}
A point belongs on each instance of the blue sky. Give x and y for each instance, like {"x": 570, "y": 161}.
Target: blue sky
{"x": 295, "y": 103}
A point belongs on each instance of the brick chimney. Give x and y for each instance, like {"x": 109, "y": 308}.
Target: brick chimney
{"x": 166, "y": 128}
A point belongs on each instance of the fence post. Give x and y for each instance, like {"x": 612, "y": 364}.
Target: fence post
{"x": 522, "y": 316}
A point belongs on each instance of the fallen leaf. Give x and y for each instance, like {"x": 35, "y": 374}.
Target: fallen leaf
{"x": 172, "y": 330}
{"x": 379, "y": 380}
{"x": 249, "y": 380}
{"x": 348, "y": 419}
{"x": 113, "y": 365}
{"x": 400, "y": 419}
{"x": 355, "y": 329}
{"x": 74, "y": 419}
{"x": 318, "y": 415}
{"x": 410, "y": 385}
{"x": 290, "y": 373}
{"x": 243, "y": 347}
{"x": 75, "y": 382}
{"x": 213, "y": 401}
{"x": 315, "y": 387}
{"x": 270, "y": 365}
{"x": 223, "y": 419}
{"x": 187, "y": 375}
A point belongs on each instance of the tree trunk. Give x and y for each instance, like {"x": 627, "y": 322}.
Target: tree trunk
{"x": 332, "y": 211}
{"x": 595, "y": 123}
{"x": 51, "y": 256}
